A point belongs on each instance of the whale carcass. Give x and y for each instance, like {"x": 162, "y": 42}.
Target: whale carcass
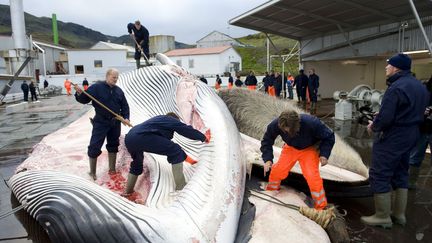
{"x": 55, "y": 189}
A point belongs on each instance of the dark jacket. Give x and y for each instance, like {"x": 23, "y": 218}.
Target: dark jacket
{"x": 140, "y": 35}
{"x": 204, "y": 80}
{"x": 313, "y": 81}
{"x": 278, "y": 83}
{"x": 301, "y": 81}
{"x": 166, "y": 126}
{"x": 426, "y": 125}
{"x": 85, "y": 82}
{"x": 32, "y": 87}
{"x": 230, "y": 80}
{"x": 312, "y": 131}
{"x": 25, "y": 87}
{"x": 111, "y": 97}
{"x": 238, "y": 83}
{"x": 45, "y": 84}
{"x": 403, "y": 104}
{"x": 251, "y": 80}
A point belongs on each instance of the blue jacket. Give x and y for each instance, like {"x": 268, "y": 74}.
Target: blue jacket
{"x": 312, "y": 131}
{"x": 111, "y": 97}
{"x": 140, "y": 35}
{"x": 403, "y": 104}
{"x": 166, "y": 126}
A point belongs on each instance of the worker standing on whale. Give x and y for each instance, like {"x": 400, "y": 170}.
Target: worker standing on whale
{"x": 105, "y": 124}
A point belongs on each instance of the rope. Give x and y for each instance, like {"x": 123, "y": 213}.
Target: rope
{"x": 14, "y": 210}
{"x": 321, "y": 217}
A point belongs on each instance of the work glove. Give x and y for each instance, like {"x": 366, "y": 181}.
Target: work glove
{"x": 208, "y": 136}
{"x": 190, "y": 160}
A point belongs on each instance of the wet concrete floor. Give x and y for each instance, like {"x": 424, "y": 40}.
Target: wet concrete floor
{"x": 24, "y": 125}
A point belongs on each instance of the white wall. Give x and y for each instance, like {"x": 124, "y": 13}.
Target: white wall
{"x": 209, "y": 65}
{"x": 340, "y": 75}
{"x": 110, "y": 58}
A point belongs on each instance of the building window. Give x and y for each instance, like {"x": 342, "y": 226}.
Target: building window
{"x": 97, "y": 63}
{"x": 79, "y": 69}
{"x": 178, "y": 62}
{"x": 191, "y": 63}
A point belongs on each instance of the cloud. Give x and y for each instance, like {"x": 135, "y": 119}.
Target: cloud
{"x": 187, "y": 20}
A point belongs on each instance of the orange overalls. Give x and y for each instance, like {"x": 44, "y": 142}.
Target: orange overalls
{"x": 251, "y": 87}
{"x": 85, "y": 87}
{"x": 230, "y": 85}
{"x": 67, "y": 85}
{"x": 309, "y": 163}
{"x": 271, "y": 91}
{"x": 217, "y": 86}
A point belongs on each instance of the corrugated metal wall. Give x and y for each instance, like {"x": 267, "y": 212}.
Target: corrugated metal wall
{"x": 375, "y": 41}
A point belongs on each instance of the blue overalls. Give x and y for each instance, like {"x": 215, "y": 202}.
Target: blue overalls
{"x": 154, "y": 136}
{"x": 396, "y": 132}
{"x": 104, "y": 123}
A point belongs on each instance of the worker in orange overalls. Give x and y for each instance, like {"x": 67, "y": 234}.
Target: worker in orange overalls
{"x": 230, "y": 81}
{"x": 218, "y": 82}
{"x": 251, "y": 81}
{"x": 300, "y": 133}
{"x": 85, "y": 84}
{"x": 68, "y": 85}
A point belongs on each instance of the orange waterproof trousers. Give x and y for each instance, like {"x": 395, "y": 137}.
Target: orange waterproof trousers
{"x": 217, "y": 86}
{"x": 309, "y": 163}
{"x": 271, "y": 91}
{"x": 251, "y": 87}
{"x": 230, "y": 85}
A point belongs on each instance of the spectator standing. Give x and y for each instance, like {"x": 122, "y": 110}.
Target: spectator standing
{"x": 25, "y": 90}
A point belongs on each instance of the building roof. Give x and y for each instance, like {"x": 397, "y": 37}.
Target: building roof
{"x": 220, "y": 33}
{"x": 110, "y": 45}
{"x": 305, "y": 19}
{"x": 197, "y": 51}
{"x": 49, "y": 45}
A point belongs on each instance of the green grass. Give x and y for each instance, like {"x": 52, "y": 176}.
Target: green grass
{"x": 254, "y": 56}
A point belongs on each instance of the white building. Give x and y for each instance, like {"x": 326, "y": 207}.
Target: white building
{"x": 207, "y": 61}
{"x": 98, "y": 61}
{"x": 217, "y": 38}
{"x": 51, "y": 59}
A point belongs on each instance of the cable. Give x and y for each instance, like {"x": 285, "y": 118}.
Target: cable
{"x": 14, "y": 238}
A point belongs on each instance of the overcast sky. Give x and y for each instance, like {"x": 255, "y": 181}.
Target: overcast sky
{"x": 187, "y": 20}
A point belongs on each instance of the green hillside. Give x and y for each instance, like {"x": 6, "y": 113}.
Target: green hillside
{"x": 255, "y": 54}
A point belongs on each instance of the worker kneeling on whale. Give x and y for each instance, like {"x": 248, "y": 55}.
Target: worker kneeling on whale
{"x": 301, "y": 134}
{"x": 154, "y": 136}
